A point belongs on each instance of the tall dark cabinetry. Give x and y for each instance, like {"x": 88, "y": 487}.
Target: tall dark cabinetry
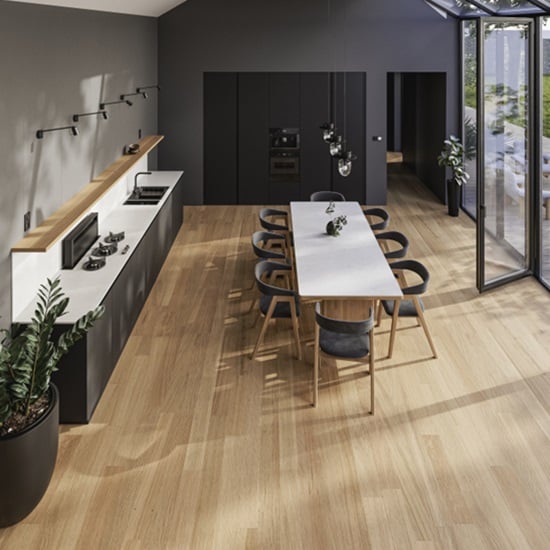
{"x": 252, "y": 134}
{"x": 240, "y": 109}
{"x": 220, "y": 137}
{"x": 349, "y": 117}
{"x": 315, "y": 109}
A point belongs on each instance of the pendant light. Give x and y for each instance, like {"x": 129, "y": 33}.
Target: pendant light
{"x": 345, "y": 157}
{"x": 336, "y": 147}
{"x": 345, "y": 162}
{"x": 329, "y": 128}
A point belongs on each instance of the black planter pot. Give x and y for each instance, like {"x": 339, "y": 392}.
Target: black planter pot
{"x": 27, "y": 461}
{"x": 453, "y": 197}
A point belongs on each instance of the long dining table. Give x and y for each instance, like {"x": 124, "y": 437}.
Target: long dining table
{"x": 350, "y": 266}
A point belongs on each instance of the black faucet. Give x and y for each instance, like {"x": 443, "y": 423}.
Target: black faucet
{"x": 137, "y": 190}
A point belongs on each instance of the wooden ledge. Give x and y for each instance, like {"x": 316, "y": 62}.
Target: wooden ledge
{"x": 50, "y": 230}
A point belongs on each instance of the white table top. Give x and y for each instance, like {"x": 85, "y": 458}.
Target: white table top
{"x": 351, "y": 265}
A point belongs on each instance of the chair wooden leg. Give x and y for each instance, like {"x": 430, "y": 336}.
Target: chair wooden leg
{"x": 294, "y": 316}
{"x": 422, "y": 320}
{"x": 252, "y": 304}
{"x": 379, "y": 313}
{"x": 264, "y": 328}
{"x": 316, "y": 361}
{"x": 395, "y": 315}
{"x": 371, "y": 370}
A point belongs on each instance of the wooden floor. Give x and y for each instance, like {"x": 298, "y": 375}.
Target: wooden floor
{"x": 194, "y": 446}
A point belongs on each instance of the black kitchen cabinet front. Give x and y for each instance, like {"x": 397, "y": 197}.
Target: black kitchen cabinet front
{"x": 241, "y": 112}
{"x": 84, "y": 372}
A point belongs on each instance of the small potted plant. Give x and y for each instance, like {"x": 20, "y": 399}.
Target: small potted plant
{"x": 452, "y": 156}
{"x": 336, "y": 225}
{"x": 29, "y": 404}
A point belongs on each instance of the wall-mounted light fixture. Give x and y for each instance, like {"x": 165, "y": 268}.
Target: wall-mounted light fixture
{"x": 102, "y": 113}
{"x": 144, "y": 94}
{"x": 127, "y": 101}
{"x": 40, "y": 133}
{"x": 141, "y": 88}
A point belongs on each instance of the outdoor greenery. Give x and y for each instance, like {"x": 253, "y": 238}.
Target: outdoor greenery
{"x": 546, "y": 106}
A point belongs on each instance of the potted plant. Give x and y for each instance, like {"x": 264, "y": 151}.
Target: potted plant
{"x": 452, "y": 156}
{"x": 336, "y": 225}
{"x": 29, "y": 410}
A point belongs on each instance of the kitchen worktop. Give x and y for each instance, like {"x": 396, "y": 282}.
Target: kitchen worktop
{"x": 87, "y": 289}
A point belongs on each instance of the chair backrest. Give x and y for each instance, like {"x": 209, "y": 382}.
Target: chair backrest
{"x": 260, "y": 240}
{"x": 342, "y": 326}
{"x": 378, "y": 213}
{"x": 327, "y": 196}
{"x": 415, "y": 267}
{"x": 266, "y": 223}
{"x": 264, "y": 269}
{"x": 397, "y": 237}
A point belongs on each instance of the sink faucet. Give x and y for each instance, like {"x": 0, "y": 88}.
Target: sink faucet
{"x": 136, "y": 188}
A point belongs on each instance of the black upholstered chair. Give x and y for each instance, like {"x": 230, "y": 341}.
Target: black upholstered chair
{"x": 273, "y": 219}
{"x": 276, "y": 302}
{"x": 268, "y": 245}
{"x": 327, "y": 196}
{"x": 262, "y": 244}
{"x": 412, "y": 305}
{"x": 393, "y": 243}
{"x": 343, "y": 339}
{"x": 378, "y": 218}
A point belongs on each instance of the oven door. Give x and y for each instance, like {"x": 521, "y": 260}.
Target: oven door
{"x": 284, "y": 165}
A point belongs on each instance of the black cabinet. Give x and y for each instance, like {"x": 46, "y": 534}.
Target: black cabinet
{"x": 220, "y": 138}
{"x": 84, "y": 372}
{"x": 315, "y": 109}
{"x": 252, "y": 138}
{"x": 240, "y": 109}
{"x": 350, "y": 117}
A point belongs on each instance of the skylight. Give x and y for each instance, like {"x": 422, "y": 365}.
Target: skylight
{"x": 463, "y": 9}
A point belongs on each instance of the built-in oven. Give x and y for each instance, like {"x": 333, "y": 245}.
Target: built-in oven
{"x": 284, "y": 154}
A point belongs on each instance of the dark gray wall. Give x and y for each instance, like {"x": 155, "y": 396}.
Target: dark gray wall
{"x": 375, "y": 36}
{"x": 56, "y": 62}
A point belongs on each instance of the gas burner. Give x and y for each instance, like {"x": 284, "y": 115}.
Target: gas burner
{"x": 104, "y": 249}
{"x": 114, "y": 237}
{"x": 94, "y": 263}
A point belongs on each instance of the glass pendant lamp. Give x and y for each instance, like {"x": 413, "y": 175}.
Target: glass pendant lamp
{"x": 336, "y": 147}
{"x": 345, "y": 162}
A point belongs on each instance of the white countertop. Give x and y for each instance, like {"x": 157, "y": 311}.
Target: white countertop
{"x": 87, "y": 289}
{"x": 351, "y": 265}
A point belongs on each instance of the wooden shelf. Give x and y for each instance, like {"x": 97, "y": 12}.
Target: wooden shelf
{"x": 52, "y": 229}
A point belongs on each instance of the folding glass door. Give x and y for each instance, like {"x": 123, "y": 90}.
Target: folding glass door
{"x": 503, "y": 128}
{"x": 544, "y": 178}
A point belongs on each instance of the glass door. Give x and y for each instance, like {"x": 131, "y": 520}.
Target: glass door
{"x": 504, "y": 124}
{"x": 544, "y": 177}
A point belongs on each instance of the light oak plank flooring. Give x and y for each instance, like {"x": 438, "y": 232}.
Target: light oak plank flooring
{"x": 195, "y": 446}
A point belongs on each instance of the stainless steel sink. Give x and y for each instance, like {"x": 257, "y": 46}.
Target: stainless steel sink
{"x": 146, "y": 195}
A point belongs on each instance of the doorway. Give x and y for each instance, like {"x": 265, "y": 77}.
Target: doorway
{"x": 416, "y": 126}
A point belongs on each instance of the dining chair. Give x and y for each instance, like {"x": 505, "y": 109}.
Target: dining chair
{"x": 393, "y": 243}
{"x": 275, "y": 301}
{"x": 274, "y": 219}
{"x": 343, "y": 339}
{"x": 412, "y": 306}
{"x": 327, "y": 196}
{"x": 377, "y": 213}
{"x": 264, "y": 246}
{"x": 263, "y": 242}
